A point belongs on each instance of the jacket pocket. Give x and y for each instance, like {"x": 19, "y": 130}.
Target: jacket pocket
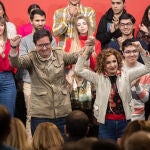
{"x": 40, "y": 96}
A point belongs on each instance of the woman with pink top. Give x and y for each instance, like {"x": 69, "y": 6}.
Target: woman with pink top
{"x": 7, "y": 83}
{"x": 26, "y": 29}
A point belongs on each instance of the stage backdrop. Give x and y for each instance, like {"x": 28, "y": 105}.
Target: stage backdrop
{"x": 17, "y": 9}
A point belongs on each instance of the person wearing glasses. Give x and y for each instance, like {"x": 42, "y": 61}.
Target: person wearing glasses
{"x": 50, "y": 98}
{"x": 139, "y": 95}
{"x": 38, "y": 21}
{"x": 126, "y": 26}
{"x": 112, "y": 107}
{"x": 108, "y": 25}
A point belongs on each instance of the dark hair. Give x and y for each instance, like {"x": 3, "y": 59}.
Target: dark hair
{"x": 5, "y": 119}
{"x": 123, "y": 1}
{"x": 127, "y": 16}
{"x": 33, "y": 7}
{"x": 127, "y": 43}
{"x": 77, "y": 124}
{"x": 37, "y": 12}
{"x": 5, "y": 15}
{"x": 145, "y": 19}
{"x": 38, "y": 34}
{"x": 105, "y": 145}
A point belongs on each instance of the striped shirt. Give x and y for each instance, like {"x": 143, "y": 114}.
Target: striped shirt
{"x": 63, "y": 29}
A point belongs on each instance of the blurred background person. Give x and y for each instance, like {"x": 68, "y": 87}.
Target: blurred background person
{"x": 76, "y": 126}
{"x": 17, "y": 137}
{"x": 63, "y": 20}
{"x": 138, "y": 141}
{"x": 26, "y": 29}
{"x": 82, "y": 31}
{"x": 133, "y": 127}
{"x": 108, "y": 25}
{"x": 7, "y": 82}
{"x": 47, "y": 136}
{"x": 5, "y": 120}
{"x": 11, "y": 28}
{"x": 144, "y": 27}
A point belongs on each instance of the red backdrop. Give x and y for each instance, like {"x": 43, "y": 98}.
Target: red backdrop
{"x": 17, "y": 9}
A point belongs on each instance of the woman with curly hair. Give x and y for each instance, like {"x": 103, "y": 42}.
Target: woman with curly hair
{"x": 144, "y": 27}
{"x": 113, "y": 89}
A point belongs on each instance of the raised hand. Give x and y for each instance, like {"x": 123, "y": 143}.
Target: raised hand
{"x": 138, "y": 46}
{"x": 15, "y": 41}
{"x": 90, "y": 41}
{"x": 120, "y": 41}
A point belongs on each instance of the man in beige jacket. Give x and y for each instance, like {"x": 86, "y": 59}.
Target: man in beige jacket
{"x": 50, "y": 100}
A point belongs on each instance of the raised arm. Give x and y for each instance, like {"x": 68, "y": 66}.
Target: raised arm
{"x": 79, "y": 67}
{"x": 143, "y": 87}
{"x": 13, "y": 56}
{"x": 134, "y": 74}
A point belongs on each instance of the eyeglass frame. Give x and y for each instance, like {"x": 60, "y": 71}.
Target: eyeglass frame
{"x": 128, "y": 52}
{"x": 129, "y": 24}
{"x": 43, "y": 45}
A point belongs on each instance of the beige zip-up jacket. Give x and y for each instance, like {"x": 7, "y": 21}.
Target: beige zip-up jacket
{"x": 103, "y": 86}
{"x": 49, "y": 95}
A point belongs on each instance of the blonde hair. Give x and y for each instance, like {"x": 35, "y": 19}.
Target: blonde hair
{"x": 46, "y": 135}
{"x": 17, "y": 137}
{"x": 3, "y": 22}
{"x": 75, "y": 45}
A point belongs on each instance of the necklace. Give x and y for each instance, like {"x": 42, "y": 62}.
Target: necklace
{"x": 2, "y": 48}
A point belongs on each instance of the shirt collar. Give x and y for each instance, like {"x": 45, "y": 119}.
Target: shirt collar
{"x": 117, "y": 74}
{"x": 45, "y": 59}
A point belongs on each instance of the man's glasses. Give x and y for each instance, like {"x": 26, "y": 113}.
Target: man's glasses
{"x": 128, "y": 52}
{"x": 43, "y": 45}
{"x": 126, "y": 24}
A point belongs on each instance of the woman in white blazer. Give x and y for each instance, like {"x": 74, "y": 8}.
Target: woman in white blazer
{"x": 112, "y": 107}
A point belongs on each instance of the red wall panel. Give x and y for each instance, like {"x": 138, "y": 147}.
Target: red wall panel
{"x": 17, "y": 9}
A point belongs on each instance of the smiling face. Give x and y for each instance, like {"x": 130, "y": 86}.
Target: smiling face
{"x": 43, "y": 47}
{"x": 126, "y": 27}
{"x": 117, "y": 6}
{"x": 111, "y": 65}
{"x": 82, "y": 27}
{"x": 130, "y": 55}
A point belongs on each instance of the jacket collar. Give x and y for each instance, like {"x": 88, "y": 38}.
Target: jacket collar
{"x": 46, "y": 59}
{"x": 118, "y": 73}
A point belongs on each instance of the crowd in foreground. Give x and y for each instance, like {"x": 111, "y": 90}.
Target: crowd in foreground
{"x": 106, "y": 78}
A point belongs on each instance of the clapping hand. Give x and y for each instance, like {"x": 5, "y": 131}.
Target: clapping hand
{"x": 90, "y": 41}
{"x": 14, "y": 42}
{"x": 73, "y": 10}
